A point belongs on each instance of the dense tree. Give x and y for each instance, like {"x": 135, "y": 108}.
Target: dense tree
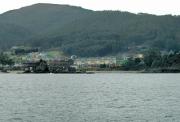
{"x": 5, "y": 59}
{"x": 152, "y": 57}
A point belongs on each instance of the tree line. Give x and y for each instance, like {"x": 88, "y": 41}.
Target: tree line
{"x": 154, "y": 59}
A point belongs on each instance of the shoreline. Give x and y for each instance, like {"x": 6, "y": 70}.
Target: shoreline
{"x": 92, "y": 72}
{"x": 114, "y": 72}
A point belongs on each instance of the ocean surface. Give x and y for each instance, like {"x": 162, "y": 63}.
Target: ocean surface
{"x": 102, "y": 97}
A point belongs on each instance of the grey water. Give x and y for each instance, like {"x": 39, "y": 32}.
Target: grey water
{"x": 103, "y": 97}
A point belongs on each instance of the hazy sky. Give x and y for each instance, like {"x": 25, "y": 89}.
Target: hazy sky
{"x": 146, "y": 6}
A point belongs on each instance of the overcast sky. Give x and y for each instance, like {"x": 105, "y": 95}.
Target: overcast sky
{"x": 158, "y": 7}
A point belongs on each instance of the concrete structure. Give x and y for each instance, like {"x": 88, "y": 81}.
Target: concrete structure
{"x": 53, "y": 66}
{"x": 61, "y": 66}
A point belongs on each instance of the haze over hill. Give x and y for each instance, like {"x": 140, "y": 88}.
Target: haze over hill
{"x": 83, "y": 32}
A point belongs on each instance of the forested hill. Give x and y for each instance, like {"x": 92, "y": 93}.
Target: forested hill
{"x": 83, "y": 32}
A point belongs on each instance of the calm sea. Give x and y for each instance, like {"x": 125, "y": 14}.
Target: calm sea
{"x": 102, "y": 97}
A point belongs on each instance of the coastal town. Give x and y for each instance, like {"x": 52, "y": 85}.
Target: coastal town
{"x": 33, "y": 60}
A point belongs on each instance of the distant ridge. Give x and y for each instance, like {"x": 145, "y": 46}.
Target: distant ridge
{"x": 84, "y": 32}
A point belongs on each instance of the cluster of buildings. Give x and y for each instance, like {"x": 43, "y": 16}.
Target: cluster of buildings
{"x": 35, "y": 60}
{"x": 55, "y": 66}
{"x": 109, "y": 62}
{"x": 95, "y": 61}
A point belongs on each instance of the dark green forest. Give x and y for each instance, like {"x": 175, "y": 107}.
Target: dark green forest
{"x": 82, "y": 32}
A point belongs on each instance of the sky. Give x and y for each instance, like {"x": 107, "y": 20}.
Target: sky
{"x": 158, "y": 7}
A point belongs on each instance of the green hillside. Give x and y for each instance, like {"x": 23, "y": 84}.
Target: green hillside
{"x": 83, "y": 32}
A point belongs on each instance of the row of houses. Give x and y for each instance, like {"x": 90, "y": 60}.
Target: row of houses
{"x": 70, "y": 65}
{"x": 108, "y": 61}
{"x": 62, "y": 63}
{"x": 55, "y": 60}
{"x": 96, "y": 61}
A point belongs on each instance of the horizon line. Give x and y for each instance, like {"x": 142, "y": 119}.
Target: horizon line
{"x": 47, "y": 3}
